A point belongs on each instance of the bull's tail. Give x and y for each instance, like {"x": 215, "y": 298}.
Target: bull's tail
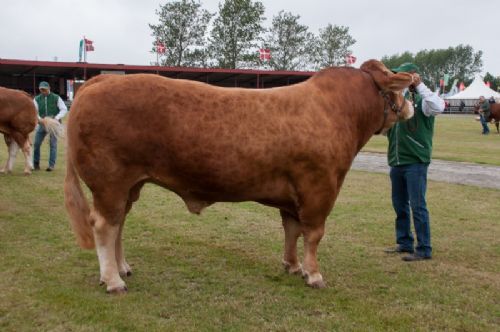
{"x": 77, "y": 207}
{"x": 53, "y": 127}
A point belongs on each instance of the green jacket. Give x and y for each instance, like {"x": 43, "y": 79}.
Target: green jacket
{"x": 47, "y": 105}
{"x": 410, "y": 141}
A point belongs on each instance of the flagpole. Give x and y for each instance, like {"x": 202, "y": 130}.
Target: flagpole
{"x": 84, "y": 49}
{"x": 157, "y": 55}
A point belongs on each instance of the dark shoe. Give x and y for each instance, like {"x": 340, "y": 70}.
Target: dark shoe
{"x": 50, "y": 169}
{"x": 415, "y": 257}
{"x": 36, "y": 167}
{"x": 397, "y": 250}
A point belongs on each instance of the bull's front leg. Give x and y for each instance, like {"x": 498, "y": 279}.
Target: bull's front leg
{"x": 312, "y": 237}
{"x": 292, "y": 230}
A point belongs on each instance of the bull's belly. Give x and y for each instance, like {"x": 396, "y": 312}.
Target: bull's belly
{"x": 200, "y": 193}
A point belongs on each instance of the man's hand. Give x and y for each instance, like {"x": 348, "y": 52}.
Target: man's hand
{"x": 416, "y": 80}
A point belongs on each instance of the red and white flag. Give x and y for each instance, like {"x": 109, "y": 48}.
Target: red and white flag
{"x": 160, "y": 47}
{"x": 265, "y": 54}
{"x": 350, "y": 59}
{"x": 89, "y": 47}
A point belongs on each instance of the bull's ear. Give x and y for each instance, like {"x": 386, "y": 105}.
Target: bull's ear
{"x": 384, "y": 78}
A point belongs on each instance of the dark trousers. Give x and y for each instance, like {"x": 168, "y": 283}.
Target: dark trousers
{"x": 409, "y": 185}
{"x": 39, "y": 137}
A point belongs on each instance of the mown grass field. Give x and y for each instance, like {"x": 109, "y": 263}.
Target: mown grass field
{"x": 456, "y": 138}
{"x": 222, "y": 270}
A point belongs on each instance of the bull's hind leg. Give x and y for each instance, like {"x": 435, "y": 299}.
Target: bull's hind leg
{"x": 13, "y": 148}
{"x": 108, "y": 216}
{"x": 293, "y": 231}
{"x": 123, "y": 267}
{"x": 313, "y": 211}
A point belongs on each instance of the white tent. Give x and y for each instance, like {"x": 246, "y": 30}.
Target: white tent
{"x": 476, "y": 89}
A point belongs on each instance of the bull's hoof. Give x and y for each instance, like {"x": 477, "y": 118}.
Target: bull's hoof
{"x": 126, "y": 273}
{"x": 117, "y": 290}
{"x": 314, "y": 280}
{"x": 317, "y": 284}
{"x": 293, "y": 269}
{"x": 27, "y": 173}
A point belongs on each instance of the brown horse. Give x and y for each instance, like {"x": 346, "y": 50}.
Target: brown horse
{"x": 494, "y": 114}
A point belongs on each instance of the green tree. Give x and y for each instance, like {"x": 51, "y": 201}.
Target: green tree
{"x": 460, "y": 62}
{"x": 289, "y": 42}
{"x": 182, "y": 28}
{"x": 494, "y": 81}
{"x": 332, "y": 46}
{"x": 236, "y": 33}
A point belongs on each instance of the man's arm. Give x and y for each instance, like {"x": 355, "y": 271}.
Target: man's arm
{"x": 432, "y": 104}
{"x": 62, "y": 109}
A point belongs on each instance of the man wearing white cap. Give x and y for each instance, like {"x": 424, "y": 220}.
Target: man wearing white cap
{"x": 48, "y": 104}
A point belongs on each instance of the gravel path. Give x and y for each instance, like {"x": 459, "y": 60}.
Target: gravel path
{"x": 439, "y": 170}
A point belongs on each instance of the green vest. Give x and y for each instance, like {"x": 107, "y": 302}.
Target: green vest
{"x": 410, "y": 141}
{"x": 485, "y": 106}
{"x": 47, "y": 105}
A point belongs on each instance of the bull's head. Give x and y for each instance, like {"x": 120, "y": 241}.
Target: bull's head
{"x": 390, "y": 86}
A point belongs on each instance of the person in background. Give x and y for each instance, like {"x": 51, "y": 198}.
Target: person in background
{"x": 48, "y": 104}
{"x": 409, "y": 155}
{"x": 484, "y": 114}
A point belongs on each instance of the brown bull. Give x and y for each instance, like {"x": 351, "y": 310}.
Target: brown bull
{"x": 288, "y": 148}
{"x": 495, "y": 115}
{"x": 18, "y": 118}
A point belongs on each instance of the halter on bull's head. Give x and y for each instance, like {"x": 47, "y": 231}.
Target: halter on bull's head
{"x": 390, "y": 86}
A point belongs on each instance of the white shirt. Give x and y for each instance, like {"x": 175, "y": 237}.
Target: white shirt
{"x": 432, "y": 104}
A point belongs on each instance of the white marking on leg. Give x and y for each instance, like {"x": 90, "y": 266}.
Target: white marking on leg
{"x": 105, "y": 239}
{"x": 13, "y": 148}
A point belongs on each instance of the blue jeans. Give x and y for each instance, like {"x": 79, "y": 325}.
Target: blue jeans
{"x": 39, "y": 137}
{"x": 486, "y": 129}
{"x": 409, "y": 185}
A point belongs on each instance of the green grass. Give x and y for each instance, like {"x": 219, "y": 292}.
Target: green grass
{"x": 456, "y": 138}
{"x": 222, "y": 271}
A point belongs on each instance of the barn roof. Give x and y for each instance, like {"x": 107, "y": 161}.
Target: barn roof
{"x": 14, "y": 68}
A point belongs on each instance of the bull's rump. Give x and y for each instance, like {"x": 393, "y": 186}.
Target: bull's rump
{"x": 218, "y": 139}
{"x": 17, "y": 111}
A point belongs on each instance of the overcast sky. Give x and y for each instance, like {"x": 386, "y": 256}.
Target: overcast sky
{"x": 46, "y": 29}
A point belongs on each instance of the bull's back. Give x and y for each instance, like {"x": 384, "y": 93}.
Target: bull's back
{"x": 191, "y": 120}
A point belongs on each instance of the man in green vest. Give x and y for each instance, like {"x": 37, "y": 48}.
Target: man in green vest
{"x": 409, "y": 155}
{"x": 48, "y": 104}
{"x": 484, "y": 114}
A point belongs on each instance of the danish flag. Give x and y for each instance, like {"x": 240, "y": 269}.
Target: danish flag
{"x": 265, "y": 54}
{"x": 89, "y": 47}
{"x": 350, "y": 59}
